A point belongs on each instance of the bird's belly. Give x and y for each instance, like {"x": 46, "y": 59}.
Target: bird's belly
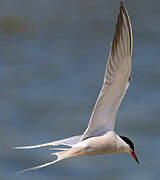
{"x": 100, "y": 145}
{"x": 97, "y": 150}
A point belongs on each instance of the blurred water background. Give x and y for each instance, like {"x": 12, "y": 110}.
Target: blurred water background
{"x": 52, "y": 61}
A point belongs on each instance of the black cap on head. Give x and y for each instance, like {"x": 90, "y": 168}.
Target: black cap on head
{"x": 128, "y": 141}
{"x": 131, "y": 145}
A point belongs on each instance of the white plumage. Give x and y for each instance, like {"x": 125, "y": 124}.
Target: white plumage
{"x": 99, "y": 137}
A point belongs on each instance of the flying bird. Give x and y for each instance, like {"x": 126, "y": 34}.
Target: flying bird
{"x": 100, "y": 137}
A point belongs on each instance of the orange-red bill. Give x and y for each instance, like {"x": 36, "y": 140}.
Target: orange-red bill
{"x": 134, "y": 156}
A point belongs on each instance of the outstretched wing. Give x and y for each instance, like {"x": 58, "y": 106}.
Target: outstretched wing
{"x": 116, "y": 80}
{"x": 68, "y": 142}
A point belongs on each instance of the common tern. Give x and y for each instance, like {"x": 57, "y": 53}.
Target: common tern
{"x": 100, "y": 137}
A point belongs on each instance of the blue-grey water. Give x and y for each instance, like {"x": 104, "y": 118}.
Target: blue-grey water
{"x": 52, "y": 61}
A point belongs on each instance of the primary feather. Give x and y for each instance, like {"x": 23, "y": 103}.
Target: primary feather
{"x": 68, "y": 141}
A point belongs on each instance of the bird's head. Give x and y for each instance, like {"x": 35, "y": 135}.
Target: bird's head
{"x": 131, "y": 145}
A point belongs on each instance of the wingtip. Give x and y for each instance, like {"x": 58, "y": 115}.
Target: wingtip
{"x": 124, "y": 11}
{"x": 31, "y": 147}
{"x": 23, "y": 171}
{"x": 15, "y": 148}
{"x": 21, "y": 148}
{"x": 122, "y": 7}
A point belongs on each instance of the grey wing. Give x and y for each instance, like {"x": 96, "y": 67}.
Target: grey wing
{"x": 68, "y": 141}
{"x": 116, "y": 80}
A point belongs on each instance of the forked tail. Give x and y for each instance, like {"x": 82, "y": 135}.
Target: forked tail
{"x": 67, "y": 153}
